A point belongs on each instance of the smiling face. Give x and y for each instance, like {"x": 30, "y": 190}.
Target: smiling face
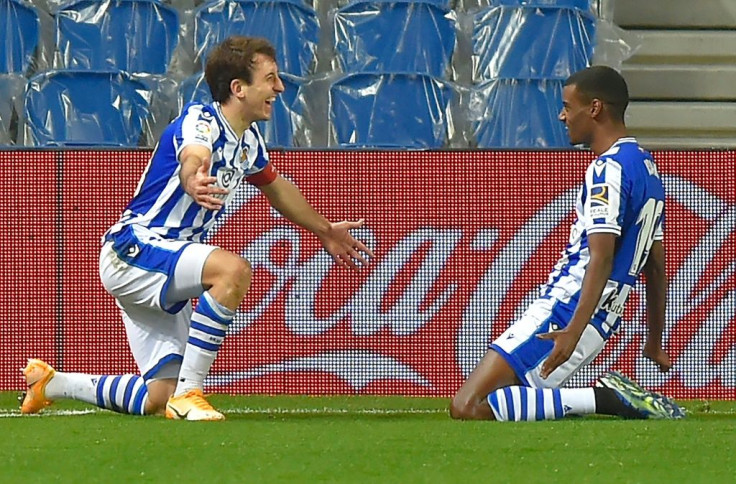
{"x": 578, "y": 114}
{"x": 266, "y": 85}
{"x": 243, "y": 77}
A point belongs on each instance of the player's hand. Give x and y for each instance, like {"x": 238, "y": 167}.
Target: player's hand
{"x": 655, "y": 353}
{"x": 346, "y": 250}
{"x": 564, "y": 344}
{"x": 203, "y": 188}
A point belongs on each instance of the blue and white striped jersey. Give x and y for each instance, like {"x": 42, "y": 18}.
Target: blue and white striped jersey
{"x": 622, "y": 194}
{"x": 160, "y": 202}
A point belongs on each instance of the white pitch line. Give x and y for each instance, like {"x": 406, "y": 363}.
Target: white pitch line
{"x": 49, "y": 413}
{"x": 289, "y": 411}
{"x": 258, "y": 411}
{"x": 333, "y": 411}
{"x": 374, "y": 411}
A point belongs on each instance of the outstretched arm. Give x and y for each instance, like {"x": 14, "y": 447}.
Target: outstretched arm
{"x": 195, "y": 178}
{"x": 602, "y": 247}
{"x": 656, "y": 294}
{"x": 285, "y": 197}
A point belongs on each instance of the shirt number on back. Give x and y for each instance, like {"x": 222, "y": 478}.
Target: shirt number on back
{"x": 647, "y": 222}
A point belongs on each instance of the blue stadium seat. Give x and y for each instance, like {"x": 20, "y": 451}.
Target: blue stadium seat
{"x": 395, "y": 35}
{"x": 20, "y": 28}
{"x": 137, "y": 36}
{"x": 290, "y": 25}
{"x": 389, "y": 110}
{"x": 286, "y": 116}
{"x": 85, "y": 107}
{"x": 539, "y": 40}
{"x": 519, "y": 113}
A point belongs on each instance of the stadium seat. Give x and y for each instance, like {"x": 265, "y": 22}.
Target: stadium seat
{"x": 20, "y": 28}
{"x": 395, "y": 35}
{"x": 539, "y": 40}
{"x": 137, "y": 36}
{"x": 60, "y": 109}
{"x": 286, "y": 116}
{"x": 519, "y": 114}
{"x": 290, "y": 25}
{"x": 389, "y": 110}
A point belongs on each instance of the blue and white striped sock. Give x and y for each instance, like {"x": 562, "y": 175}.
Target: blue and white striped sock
{"x": 119, "y": 393}
{"x": 122, "y": 394}
{"x": 516, "y": 403}
{"x": 206, "y": 334}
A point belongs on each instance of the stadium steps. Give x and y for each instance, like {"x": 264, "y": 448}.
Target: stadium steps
{"x": 683, "y": 124}
{"x": 691, "y": 47}
{"x": 682, "y": 79}
{"x": 675, "y": 14}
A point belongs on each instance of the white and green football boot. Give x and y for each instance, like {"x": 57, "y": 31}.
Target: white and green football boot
{"x": 647, "y": 404}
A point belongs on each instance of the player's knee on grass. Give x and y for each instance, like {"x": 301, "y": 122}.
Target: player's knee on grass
{"x": 469, "y": 407}
{"x": 458, "y": 408}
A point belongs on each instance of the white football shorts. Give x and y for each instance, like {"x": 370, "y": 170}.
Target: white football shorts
{"x": 153, "y": 281}
{"x": 525, "y": 352}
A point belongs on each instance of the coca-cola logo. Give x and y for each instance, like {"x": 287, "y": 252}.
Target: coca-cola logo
{"x": 462, "y": 239}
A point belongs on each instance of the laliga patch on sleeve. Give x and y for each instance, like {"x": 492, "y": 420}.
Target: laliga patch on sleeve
{"x": 599, "y": 206}
{"x": 202, "y": 131}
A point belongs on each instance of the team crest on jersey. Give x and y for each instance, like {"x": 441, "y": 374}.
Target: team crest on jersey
{"x": 599, "y": 201}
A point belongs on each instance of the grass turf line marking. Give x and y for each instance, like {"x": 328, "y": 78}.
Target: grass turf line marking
{"x": 293, "y": 411}
{"x": 257, "y": 411}
{"x": 333, "y": 411}
{"x": 50, "y": 413}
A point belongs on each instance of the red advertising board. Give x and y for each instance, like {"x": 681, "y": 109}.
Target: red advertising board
{"x": 462, "y": 241}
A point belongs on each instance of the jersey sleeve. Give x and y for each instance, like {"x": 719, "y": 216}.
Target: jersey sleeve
{"x": 196, "y": 126}
{"x": 605, "y": 197}
{"x": 659, "y": 230}
{"x": 262, "y": 171}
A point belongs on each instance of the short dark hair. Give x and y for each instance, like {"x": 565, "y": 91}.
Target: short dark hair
{"x": 605, "y": 84}
{"x": 233, "y": 59}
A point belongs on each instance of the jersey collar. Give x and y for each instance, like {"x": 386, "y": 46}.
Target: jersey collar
{"x": 223, "y": 120}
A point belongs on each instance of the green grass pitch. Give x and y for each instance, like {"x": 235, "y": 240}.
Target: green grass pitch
{"x": 300, "y": 439}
